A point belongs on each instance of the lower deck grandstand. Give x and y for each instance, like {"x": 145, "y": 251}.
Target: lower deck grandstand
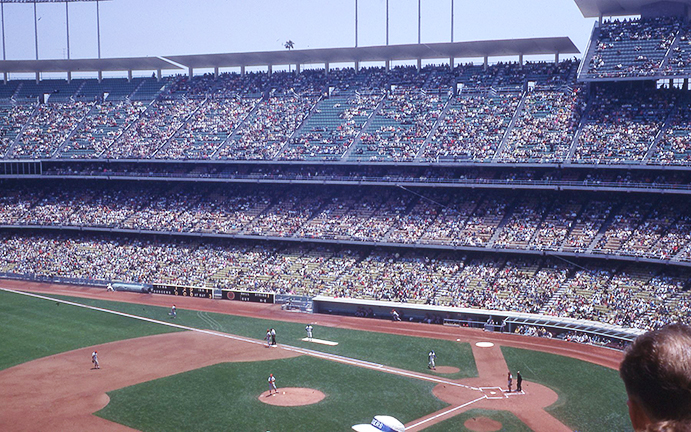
{"x": 628, "y": 295}
{"x": 561, "y": 254}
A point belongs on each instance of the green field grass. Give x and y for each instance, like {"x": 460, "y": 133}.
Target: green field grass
{"x": 591, "y": 398}
{"x": 225, "y": 397}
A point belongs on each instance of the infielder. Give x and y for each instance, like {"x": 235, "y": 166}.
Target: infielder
{"x": 431, "y": 358}
{"x": 272, "y": 384}
{"x": 308, "y": 329}
{"x": 94, "y": 360}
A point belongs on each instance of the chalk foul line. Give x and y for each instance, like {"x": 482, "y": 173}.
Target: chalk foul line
{"x": 305, "y": 351}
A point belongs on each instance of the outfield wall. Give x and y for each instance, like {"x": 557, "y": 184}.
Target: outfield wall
{"x": 503, "y": 321}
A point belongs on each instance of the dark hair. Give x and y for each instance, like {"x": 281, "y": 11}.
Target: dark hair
{"x": 656, "y": 371}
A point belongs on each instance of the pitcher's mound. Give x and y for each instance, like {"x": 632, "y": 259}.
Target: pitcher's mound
{"x": 482, "y": 424}
{"x": 446, "y": 370}
{"x": 292, "y": 396}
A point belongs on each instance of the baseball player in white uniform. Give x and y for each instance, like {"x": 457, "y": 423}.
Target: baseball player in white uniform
{"x": 272, "y": 384}
{"x": 308, "y": 329}
{"x": 431, "y": 359}
{"x": 94, "y": 360}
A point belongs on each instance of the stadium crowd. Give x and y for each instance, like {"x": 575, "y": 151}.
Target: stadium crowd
{"x": 505, "y": 113}
{"x": 644, "y": 226}
{"x": 631, "y": 297}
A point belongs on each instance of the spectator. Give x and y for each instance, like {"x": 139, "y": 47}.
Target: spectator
{"x": 656, "y": 371}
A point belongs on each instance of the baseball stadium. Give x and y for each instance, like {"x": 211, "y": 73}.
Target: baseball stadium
{"x": 446, "y": 236}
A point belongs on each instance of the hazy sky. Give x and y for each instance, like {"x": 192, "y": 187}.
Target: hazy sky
{"x": 134, "y": 28}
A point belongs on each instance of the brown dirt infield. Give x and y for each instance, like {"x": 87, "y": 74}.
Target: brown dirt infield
{"x": 482, "y": 424}
{"x": 446, "y": 370}
{"x": 292, "y": 396}
{"x": 60, "y": 392}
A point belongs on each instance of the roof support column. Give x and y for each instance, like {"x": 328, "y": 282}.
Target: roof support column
{"x": 297, "y": 69}
{"x": 520, "y": 59}
{"x": 357, "y": 66}
{"x": 36, "y": 33}
{"x": 190, "y": 72}
{"x": 100, "y": 76}
{"x": 216, "y": 72}
{"x": 326, "y": 68}
{"x": 271, "y": 69}
{"x": 69, "y": 77}
{"x": 159, "y": 75}
{"x": 451, "y": 63}
{"x": 67, "y": 28}
{"x": 38, "y": 77}
{"x": 5, "y": 77}
{"x": 98, "y": 27}
{"x": 387, "y": 65}
{"x": 486, "y": 63}
{"x": 242, "y": 70}
{"x": 419, "y": 65}
{"x": 129, "y": 75}
{"x": 556, "y": 58}
{"x": 4, "y": 54}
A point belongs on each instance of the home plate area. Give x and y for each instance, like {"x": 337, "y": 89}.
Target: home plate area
{"x": 493, "y": 392}
{"x": 320, "y": 341}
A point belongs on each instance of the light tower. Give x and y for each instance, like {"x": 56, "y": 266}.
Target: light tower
{"x": 67, "y": 25}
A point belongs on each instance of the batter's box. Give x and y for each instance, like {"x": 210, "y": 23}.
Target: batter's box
{"x": 493, "y": 392}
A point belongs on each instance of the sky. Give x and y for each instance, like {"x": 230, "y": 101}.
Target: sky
{"x": 138, "y": 28}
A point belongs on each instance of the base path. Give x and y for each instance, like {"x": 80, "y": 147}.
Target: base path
{"x": 488, "y": 391}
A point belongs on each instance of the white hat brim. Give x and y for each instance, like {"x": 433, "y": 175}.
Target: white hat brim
{"x": 365, "y": 428}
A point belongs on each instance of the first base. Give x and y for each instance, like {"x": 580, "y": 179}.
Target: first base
{"x": 320, "y": 341}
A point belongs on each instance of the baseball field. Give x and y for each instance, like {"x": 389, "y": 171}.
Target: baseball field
{"x": 207, "y": 369}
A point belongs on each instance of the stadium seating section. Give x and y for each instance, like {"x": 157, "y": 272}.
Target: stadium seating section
{"x": 319, "y": 183}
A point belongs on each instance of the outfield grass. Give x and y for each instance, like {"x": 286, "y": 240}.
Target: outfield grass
{"x": 225, "y": 397}
{"x": 34, "y": 328}
{"x": 510, "y": 423}
{"x": 403, "y": 352}
{"x": 591, "y": 398}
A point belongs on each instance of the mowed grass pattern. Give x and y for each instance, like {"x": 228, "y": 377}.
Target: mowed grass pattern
{"x": 224, "y": 397}
{"x": 592, "y": 398}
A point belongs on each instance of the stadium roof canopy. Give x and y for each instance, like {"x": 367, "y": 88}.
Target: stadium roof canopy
{"x": 86, "y": 65}
{"x": 597, "y": 8}
{"x": 478, "y": 49}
